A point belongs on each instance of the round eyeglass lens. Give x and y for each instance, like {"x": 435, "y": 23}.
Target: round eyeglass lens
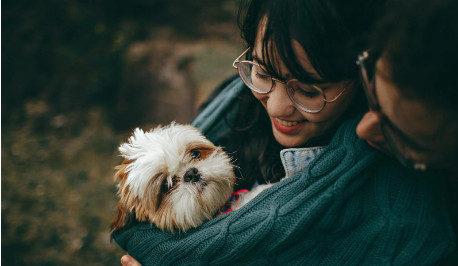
{"x": 255, "y": 77}
{"x": 308, "y": 97}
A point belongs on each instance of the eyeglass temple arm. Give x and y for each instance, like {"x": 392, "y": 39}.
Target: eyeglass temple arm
{"x": 361, "y": 57}
{"x": 336, "y": 97}
{"x": 237, "y": 60}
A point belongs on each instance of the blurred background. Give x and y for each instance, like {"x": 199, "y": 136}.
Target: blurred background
{"x": 77, "y": 77}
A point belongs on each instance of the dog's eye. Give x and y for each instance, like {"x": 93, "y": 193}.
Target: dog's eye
{"x": 195, "y": 154}
{"x": 165, "y": 186}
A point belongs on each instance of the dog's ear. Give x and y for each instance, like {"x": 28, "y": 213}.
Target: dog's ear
{"x": 123, "y": 216}
{"x": 120, "y": 219}
{"x": 121, "y": 174}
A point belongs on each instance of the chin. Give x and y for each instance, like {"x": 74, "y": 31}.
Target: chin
{"x": 172, "y": 177}
{"x": 290, "y": 141}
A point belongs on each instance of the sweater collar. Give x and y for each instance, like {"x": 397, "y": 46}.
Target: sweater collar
{"x": 297, "y": 159}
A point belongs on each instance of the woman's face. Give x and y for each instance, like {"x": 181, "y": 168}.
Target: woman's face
{"x": 291, "y": 126}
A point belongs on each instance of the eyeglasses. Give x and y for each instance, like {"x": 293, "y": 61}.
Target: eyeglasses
{"x": 307, "y": 97}
{"x": 399, "y": 145}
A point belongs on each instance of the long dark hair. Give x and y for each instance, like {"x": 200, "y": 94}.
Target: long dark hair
{"x": 332, "y": 33}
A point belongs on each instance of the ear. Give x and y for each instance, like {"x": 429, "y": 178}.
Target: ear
{"x": 120, "y": 219}
{"x": 123, "y": 216}
{"x": 121, "y": 175}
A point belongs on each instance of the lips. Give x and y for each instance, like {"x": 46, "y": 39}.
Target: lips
{"x": 287, "y": 126}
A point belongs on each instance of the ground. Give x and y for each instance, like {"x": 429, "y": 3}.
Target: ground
{"x": 58, "y": 194}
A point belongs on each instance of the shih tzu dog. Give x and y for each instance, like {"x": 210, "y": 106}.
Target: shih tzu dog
{"x": 173, "y": 177}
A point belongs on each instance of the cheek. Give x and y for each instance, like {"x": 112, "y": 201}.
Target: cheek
{"x": 330, "y": 113}
{"x": 261, "y": 97}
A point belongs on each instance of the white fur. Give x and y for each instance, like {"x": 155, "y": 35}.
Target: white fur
{"x": 164, "y": 152}
{"x": 155, "y": 151}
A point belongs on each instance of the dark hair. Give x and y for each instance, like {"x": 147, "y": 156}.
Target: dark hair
{"x": 418, "y": 40}
{"x": 332, "y": 32}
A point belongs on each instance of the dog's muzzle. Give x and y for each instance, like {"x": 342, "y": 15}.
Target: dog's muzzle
{"x": 192, "y": 175}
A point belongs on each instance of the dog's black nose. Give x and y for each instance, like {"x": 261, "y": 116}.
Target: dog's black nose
{"x": 192, "y": 175}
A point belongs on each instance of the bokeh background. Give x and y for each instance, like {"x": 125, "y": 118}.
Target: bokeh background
{"x": 77, "y": 77}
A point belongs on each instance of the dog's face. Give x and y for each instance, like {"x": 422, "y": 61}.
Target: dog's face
{"x": 173, "y": 177}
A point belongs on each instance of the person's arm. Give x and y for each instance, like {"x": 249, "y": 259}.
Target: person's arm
{"x": 351, "y": 204}
{"x": 128, "y": 260}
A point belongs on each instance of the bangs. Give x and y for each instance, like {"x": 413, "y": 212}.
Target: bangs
{"x": 331, "y": 33}
{"x": 277, "y": 46}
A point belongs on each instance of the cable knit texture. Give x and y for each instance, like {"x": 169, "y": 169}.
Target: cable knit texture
{"x": 350, "y": 206}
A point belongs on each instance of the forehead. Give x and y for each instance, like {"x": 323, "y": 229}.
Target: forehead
{"x": 300, "y": 53}
{"x": 428, "y": 127}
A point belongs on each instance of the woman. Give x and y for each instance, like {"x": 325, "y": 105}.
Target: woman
{"x": 343, "y": 202}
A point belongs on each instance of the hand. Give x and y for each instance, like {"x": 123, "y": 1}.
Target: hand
{"x": 128, "y": 260}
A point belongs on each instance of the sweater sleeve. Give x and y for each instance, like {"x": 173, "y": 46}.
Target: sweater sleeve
{"x": 351, "y": 206}
{"x": 212, "y": 120}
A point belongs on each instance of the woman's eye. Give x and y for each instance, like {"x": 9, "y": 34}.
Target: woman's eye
{"x": 308, "y": 93}
{"x": 262, "y": 76}
{"x": 195, "y": 154}
{"x": 304, "y": 91}
{"x": 260, "y": 73}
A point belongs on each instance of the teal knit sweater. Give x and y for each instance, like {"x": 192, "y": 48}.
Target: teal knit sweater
{"x": 350, "y": 206}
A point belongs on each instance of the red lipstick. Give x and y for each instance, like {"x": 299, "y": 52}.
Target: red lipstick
{"x": 286, "y": 129}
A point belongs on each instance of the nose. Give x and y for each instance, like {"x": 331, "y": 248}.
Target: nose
{"x": 192, "y": 175}
{"x": 369, "y": 128}
{"x": 278, "y": 103}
